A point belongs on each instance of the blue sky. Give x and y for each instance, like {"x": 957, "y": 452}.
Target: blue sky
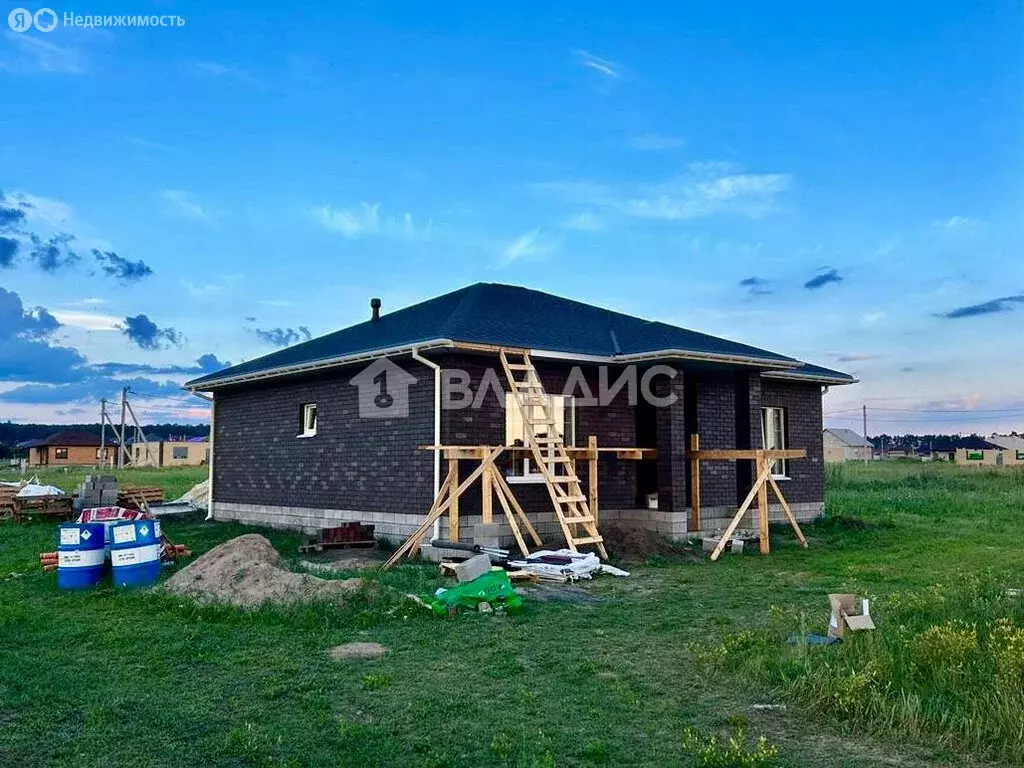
{"x": 838, "y": 184}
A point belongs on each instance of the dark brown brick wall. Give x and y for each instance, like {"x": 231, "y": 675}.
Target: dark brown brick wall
{"x": 716, "y": 423}
{"x": 352, "y": 463}
{"x": 803, "y": 430}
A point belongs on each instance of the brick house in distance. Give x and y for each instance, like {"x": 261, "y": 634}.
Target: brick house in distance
{"x": 68, "y": 448}
{"x": 291, "y": 448}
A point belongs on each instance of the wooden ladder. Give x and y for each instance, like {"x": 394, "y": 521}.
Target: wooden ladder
{"x": 548, "y": 449}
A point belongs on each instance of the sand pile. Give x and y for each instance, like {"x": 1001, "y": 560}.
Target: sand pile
{"x": 634, "y": 545}
{"x": 198, "y": 494}
{"x": 248, "y": 571}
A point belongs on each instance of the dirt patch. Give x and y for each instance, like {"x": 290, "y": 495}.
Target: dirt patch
{"x": 248, "y": 572}
{"x": 565, "y": 593}
{"x": 357, "y": 651}
{"x": 635, "y": 545}
{"x": 346, "y": 560}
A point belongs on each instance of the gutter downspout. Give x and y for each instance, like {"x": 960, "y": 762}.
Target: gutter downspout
{"x": 437, "y": 427}
{"x": 209, "y": 489}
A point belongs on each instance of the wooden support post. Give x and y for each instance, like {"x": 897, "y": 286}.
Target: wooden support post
{"x": 761, "y": 479}
{"x": 765, "y": 472}
{"x": 453, "y": 510}
{"x": 788, "y": 511}
{"x": 592, "y": 475}
{"x": 500, "y": 484}
{"x": 694, "y": 485}
{"x": 488, "y": 501}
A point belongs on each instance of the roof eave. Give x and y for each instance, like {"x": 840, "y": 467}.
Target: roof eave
{"x": 198, "y": 385}
{"x": 811, "y": 377}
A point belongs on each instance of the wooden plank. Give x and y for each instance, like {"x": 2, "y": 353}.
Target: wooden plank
{"x": 436, "y": 509}
{"x": 499, "y": 482}
{"x": 592, "y": 475}
{"x": 511, "y": 520}
{"x": 694, "y": 483}
{"x": 788, "y": 511}
{"x": 734, "y": 524}
{"x": 453, "y": 509}
{"x": 725, "y": 454}
{"x": 762, "y": 501}
{"x": 488, "y": 497}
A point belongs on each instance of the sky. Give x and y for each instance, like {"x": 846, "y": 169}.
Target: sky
{"x": 841, "y": 183}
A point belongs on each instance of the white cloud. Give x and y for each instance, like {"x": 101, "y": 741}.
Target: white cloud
{"x": 706, "y": 189}
{"x": 216, "y": 69}
{"x": 90, "y": 321}
{"x": 180, "y": 204}
{"x": 365, "y": 220}
{"x": 654, "y": 142}
{"x": 958, "y": 222}
{"x": 585, "y": 222}
{"x": 32, "y": 54}
{"x": 45, "y": 210}
{"x": 529, "y": 245}
{"x": 607, "y": 68}
{"x": 202, "y": 290}
{"x": 872, "y": 318}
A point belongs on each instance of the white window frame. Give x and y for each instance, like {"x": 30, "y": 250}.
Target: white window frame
{"x": 564, "y": 406}
{"x": 780, "y": 467}
{"x": 308, "y": 425}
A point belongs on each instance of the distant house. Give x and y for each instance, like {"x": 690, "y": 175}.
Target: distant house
{"x": 845, "y": 445}
{"x": 68, "y": 448}
{"x": 183, "y": 452}
{"x": 977, "y": 451}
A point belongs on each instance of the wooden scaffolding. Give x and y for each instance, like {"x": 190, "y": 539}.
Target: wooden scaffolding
{"x": 763, "y": 460}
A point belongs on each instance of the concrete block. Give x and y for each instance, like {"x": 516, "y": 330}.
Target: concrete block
{"x": 473, "y": 568}
{"x": 487, "y": 534}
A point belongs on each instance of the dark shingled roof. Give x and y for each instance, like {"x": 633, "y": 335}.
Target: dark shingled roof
{"x": 72, "y": 438}
{"x": 504, "y": 315}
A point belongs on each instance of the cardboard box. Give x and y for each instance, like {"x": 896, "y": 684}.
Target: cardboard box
{"x": 849, "y": 613}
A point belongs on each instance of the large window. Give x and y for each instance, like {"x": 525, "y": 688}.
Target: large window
{"x": 179, "y": 452}
{"x": 60, "y": 454}
{"x": 773, "y": 435}
{"x": 307, "y": 423}
{"x": 564, "y": 413}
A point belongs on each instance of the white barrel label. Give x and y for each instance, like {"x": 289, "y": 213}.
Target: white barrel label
{"x": 124, "y": 534}
{"x": 84, "y": 558}
{"x": 135, "y": 556}
{"x": 70, "y": 537}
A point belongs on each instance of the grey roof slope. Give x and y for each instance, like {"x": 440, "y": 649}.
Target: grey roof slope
{"x": 505, "y": 315}
{"x": 850, "y": 437}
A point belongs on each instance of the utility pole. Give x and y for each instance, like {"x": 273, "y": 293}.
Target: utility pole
{"x": 865, "y": 411}
{"x": 100, "y": 460}
{"x": 121, "y": 445}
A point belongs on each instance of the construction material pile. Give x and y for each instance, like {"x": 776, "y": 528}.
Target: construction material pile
{"x": 197, "y": 495}
{"x": 247, "y": 571}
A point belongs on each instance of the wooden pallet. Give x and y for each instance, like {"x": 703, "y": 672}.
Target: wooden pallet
{"x": 139, "y": 497}
{"x": 48, "y": 506}
{"x": 548, "y": 448}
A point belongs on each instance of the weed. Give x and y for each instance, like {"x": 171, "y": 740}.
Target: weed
{"x": 734, "y": 752}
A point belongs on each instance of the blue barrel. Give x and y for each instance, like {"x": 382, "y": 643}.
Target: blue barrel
{"x": 135, "y": 553}
{"x": 80, "y": 555}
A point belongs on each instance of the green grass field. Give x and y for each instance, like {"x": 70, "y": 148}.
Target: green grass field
{"x": 682, "y": 652}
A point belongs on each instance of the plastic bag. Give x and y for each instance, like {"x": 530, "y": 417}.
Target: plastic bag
{"x": 493, "y": 587}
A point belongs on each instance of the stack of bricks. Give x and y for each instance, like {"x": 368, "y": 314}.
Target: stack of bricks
{"x": 97, "y": 491}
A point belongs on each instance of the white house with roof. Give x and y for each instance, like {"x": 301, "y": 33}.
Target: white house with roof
{"x": 846, "y": 445}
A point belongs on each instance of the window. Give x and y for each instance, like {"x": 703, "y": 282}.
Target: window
{"x": 60, "y": 454}
{"x": 179, "y": 452}
{"x": 773, "y": 436}
{"x": 307, "y": 424}
{"x": 564, "y": 412}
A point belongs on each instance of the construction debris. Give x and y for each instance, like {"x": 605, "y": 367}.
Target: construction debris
{"x": 493, "y": 588}
{"x": 471, "y": 569}
{"x": 247, "y": 571}
{"x": 343, "y": 536}
{"x": 139, "y": 497}
{"x": 41, "y": 500}
{"x": 564, "y": 565}
{"x": 198, "y": 495}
